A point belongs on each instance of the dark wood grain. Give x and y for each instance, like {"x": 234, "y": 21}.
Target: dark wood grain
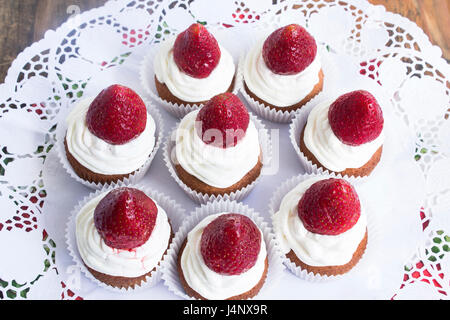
{"x": 16, "y": 25}
{"x": 433, "y": 16}
{"x": 52, "y": 13}
{"x": 23, "y": 22}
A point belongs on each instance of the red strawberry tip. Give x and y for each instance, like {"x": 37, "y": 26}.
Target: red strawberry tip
{"x": 125, "y": 218}
{"x": 223, "y": 121}
{"x": 230, "y": 244}
{"x": 117, "y": 115}
{"x": 356, "y": 118}
{"x": 329, "y": 207}
{"x": 289, "y": 50}
{"x": 196, "y": 52}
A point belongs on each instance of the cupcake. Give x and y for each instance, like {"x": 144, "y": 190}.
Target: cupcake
{"x": 321, "y": 226}
{"x": 223, "y": 257}
{"x": 283, "y": 72}
{"x": 192, "y": 68}
{"x": 109, "y": 137}
{"x": 122, "y": 236}
{"x": 217, "y": 149}
{"x": 346, "y": 135}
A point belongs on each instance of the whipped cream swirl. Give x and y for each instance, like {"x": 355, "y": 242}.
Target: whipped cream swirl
{"x": 101, "y": 157}
{"x": 188, "y": 88}
{"x": 206, "y": 282}
{"x": 217, "y": 167}
{"x": 312, "y": 248}
{"x": 333, "y": 154}
{"x": 97, "y": 255}
{"x": 276, "y": 89}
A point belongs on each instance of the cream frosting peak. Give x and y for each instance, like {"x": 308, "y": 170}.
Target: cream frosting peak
{"x": 276, "y": 89}
{"x": 188, "y": 88}
{"x": 333, "y": 154}
{"x": 97, "y": 255}
{"x": 206, "y": 282}
{"x": 101, "y": 157}
{"x": 311, "y": 248}
{"x": 217, "y": 167}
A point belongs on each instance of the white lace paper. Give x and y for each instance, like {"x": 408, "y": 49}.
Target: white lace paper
{"x": 108, "y": 44}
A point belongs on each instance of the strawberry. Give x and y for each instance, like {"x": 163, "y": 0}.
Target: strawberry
{"x": 196, "y": 51}
{"x": 356, "y": 118}
{"x": 289, "y": 50}
{"x": 329, "y": 207}
{"x": 117, "y": 115}
{"x": 230, "y": 244}
{"x": 223, "y": 121}
{"x": 125, "y": 218}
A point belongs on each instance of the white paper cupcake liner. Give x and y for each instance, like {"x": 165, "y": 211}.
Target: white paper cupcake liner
{"x": 280, "y": 116}
{"x": 174, "y": 211}
{"x": 147, "y": 78}
{"x": 373, "y": 226}
{"x": 338, "y": 88}
{"x": 170, "y": 270}
{"x": 133, "y": 178}
{"x": 295, "y": 130}
{"x": 202, "y": 198}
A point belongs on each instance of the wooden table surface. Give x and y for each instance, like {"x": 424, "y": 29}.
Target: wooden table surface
{"x": 25, "y": 21}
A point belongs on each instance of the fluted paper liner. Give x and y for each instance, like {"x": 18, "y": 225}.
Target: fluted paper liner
{"x": 174, "y": 211}
{"x": 300, "y": 119}
{"x": 147, "y": 78}
{"x": 373, "y": 226}
{"x": 280, "y": 116}
{"x": 136, "y": 176}
{"x": 295, "y": 130}
{"x": 202, "y": 198}
{"x": 170, "y": 271}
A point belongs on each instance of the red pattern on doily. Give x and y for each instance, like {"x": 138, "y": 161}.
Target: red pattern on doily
{"x": 37, "y": 108}
{"x": 68, "y": 294}
{"x": 245, "y": 15}
{"x": 370, "y": 69}
{"x": 420, "y": 272}
{"x": 23, "y": 219}
{"x": 133, "y": 38}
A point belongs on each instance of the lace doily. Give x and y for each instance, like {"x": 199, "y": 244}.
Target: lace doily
{"x": 108, "y": 43}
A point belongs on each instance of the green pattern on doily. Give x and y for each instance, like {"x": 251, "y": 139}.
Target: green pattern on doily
{"x": 14, "y": 289}
{"x": 441, "y": 246}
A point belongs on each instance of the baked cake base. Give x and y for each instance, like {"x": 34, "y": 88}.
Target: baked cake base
{"x": 88, "y": 175}
{"x": 165, "y": 94}
{"x": 365, "y": 170}
{"x": 125, "y": 282}
{"x": 332, "y": 270}
{"x": 192, "y": 293}
{"x": 316, "y": 90}
{"x": 195, "y": 184}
